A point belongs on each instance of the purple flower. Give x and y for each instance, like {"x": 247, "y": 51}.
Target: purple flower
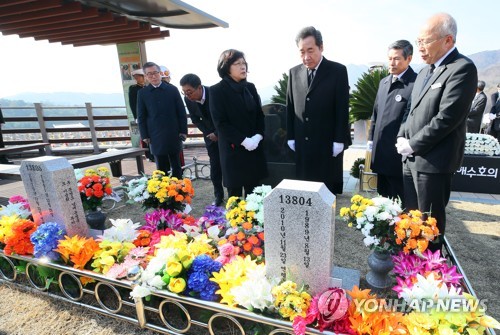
{"x": 407, "y": 265}
{"x": 450, "y": 276}
{"x": 161, "y": 219}
{"x": 433, "y": 261}
{"x": 45, "y": 240}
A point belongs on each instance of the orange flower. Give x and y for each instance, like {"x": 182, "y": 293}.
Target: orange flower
{"x": 179, "y": 197}
{"x": 240, "y": 236}
{"x": 247, "y": 225}
{"x": 78, "y": 250}
{"x": 261, "y": 235}
{"x": 232, "y": 238}
{"x": 247, "y": 246}
{"x": 257, "y": 251}
{"x": 253, "y": 240}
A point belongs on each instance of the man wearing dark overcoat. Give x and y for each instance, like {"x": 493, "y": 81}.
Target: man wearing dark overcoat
{"x": 162, "y": 120}
{"x": 196, "y": 97}
{"x": 494, "y": 129}
{"x": 475, "y": 116}
{"x": 432, "y": 139}
{"x": 391, "y": 105}
{"x": 317, "y": 113}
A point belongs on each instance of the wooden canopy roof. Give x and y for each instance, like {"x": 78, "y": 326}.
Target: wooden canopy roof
{"x": 91, "y": 22}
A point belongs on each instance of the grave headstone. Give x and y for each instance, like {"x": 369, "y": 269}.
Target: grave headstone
{"x": 299, "y": 228}
{"x": 53, "y": 196}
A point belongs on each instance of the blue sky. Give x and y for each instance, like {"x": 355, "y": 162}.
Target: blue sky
{"x": 354, "y": 32}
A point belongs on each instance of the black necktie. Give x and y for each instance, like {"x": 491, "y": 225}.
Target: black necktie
{"x": 310, "y": 77}
{"x": 428, "y": 76}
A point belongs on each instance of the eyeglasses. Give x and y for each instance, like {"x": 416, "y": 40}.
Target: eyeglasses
{"x": 151, "y": 74}
{"x": 422, "y": 43}
{"x": 240, "y": 64}
{"x": 189, "y": 92}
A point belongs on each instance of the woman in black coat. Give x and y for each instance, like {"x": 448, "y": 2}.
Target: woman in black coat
{"x": 237, "y": 114}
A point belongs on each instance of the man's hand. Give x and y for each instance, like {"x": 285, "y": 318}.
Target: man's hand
{"x": 403, "y": 146}
{"x": 212, "y": 137}
{"x": 146, "y": 140}
{"x": 369, "y": 146}
{"x": 337, "y": 148}
{"x": 492, "y": 116}
{"x": 291, "y": 144}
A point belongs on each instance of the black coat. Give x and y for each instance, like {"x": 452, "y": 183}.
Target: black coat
{"x": 316, "y": 117}
{"x": 201, "y": 116}
{"x": 435, "y": 125}
{"x": 161, "y": 117}
{"x": 132, "y": 98}
{"x": 391, "y": 105}
{"x": 475, "y": 116}
{"x": 233, "y": 122}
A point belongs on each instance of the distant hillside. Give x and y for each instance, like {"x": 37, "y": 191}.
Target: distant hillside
{"x": 71, "y": 98}
{"x": 488, "y": 69}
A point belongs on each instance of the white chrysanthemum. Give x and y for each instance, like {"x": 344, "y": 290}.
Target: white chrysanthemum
{"x": 140, "y": 292}
{"x": 156, "y": 282}
{"x": 429, "y": 288}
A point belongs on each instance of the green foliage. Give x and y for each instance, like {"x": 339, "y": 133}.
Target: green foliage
{"x": 280, "y": 88}
{"x": 355, "y": 167}
{"x": 363, "y": 97}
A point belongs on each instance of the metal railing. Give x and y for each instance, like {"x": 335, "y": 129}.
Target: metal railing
{"x": 90, "y": 127}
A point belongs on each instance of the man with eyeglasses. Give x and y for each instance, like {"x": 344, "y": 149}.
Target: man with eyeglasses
{"x": 162, "y": 120}
{"x": 432, "y": 139}
{"x": 196, "y": 98}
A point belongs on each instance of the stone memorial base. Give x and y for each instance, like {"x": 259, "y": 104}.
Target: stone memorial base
{"x": 345, "y": 278}
{"x": 478, "y": 174}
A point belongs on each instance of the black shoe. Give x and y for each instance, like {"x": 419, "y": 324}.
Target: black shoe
{"x": 218, "y": 202}
{"x": 6, "y": 161}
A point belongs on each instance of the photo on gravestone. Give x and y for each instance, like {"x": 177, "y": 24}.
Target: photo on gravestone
{"x": 299, "y": 230}
{"x": 50, "y": 185}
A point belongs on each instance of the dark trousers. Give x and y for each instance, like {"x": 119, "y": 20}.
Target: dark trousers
{"x": 390, "y": 187}
{"x": 428, "y": 192}
{"x": 238, "y": 191}
{"x": 173, "y": 160}
{"x": 215, "y": 169}
{"x": 3, "y": 158}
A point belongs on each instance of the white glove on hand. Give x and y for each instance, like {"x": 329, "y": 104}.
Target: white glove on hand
{"x": 492, "y": 116}
{"x": 249, "y": 144}
{"x": 403, "y": 146}
{"x": 291, "y": 144}
{"x": 369, "y": 146}
{"x": 337, "y": 148}
{"x": 257, "y": 138}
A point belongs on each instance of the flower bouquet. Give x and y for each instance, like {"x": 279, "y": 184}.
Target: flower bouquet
{"x": 375, "y": 218}
{"x": 93, "y": 186}
{"x": 481, "y": 144}
{"x": 161, "y": 191}
{"x": 414, "y": 233}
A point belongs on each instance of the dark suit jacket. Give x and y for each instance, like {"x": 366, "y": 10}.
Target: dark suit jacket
{"x": 316, "y": 117}
{"x": 476, "y": 113}
{"x": 436, "y": 123}
{"x": 391, "y": 104}
{"x": 495, "y": 104}
{"x": 201, "y": 116}
{"x": 161, "y": 117}
{"x": 233, "y": 122}
{"x": 132, "y": 98}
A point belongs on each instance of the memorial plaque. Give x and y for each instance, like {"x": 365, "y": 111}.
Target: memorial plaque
{"x": 299, "y": 228}
{"x": 53, "y": 196}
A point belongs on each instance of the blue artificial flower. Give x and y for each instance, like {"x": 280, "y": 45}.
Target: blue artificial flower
{"x": 45, "y": 240}
{"x": 202, "y": 263}
{"x": 208, "y": 293}
{"x": 197, "y": 281}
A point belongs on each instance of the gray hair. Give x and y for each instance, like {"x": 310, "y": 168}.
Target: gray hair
{"x": 309, "y": 31}
{"x": 447, "y": 26}
{"x": 481, "y": 85}
{"x": 402, "y": 45}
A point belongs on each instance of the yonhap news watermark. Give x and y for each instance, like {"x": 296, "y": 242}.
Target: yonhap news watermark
{"x": 447, "y": 305}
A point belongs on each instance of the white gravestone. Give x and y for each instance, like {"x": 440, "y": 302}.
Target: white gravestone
{"x": 53, "y": 196}
{"x": 299, "y": 225}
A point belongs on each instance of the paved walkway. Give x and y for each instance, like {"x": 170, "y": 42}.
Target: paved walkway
{"x": 351, "y": 185}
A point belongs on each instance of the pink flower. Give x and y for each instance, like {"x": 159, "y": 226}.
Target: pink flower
{"x": 434, "y": 260}
{"x": 227, "y": 253}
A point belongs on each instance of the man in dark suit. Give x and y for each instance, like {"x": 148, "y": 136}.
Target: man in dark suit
{"x": 495, "y": 114}
{"x": 162, "y": 120}
{"x": 432, "y": 139}
{"x": 196, "y": 98}
{"x": 318, "y": 113}
{"x": 475, "y": 116}
{"x": 391, "y": 104}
